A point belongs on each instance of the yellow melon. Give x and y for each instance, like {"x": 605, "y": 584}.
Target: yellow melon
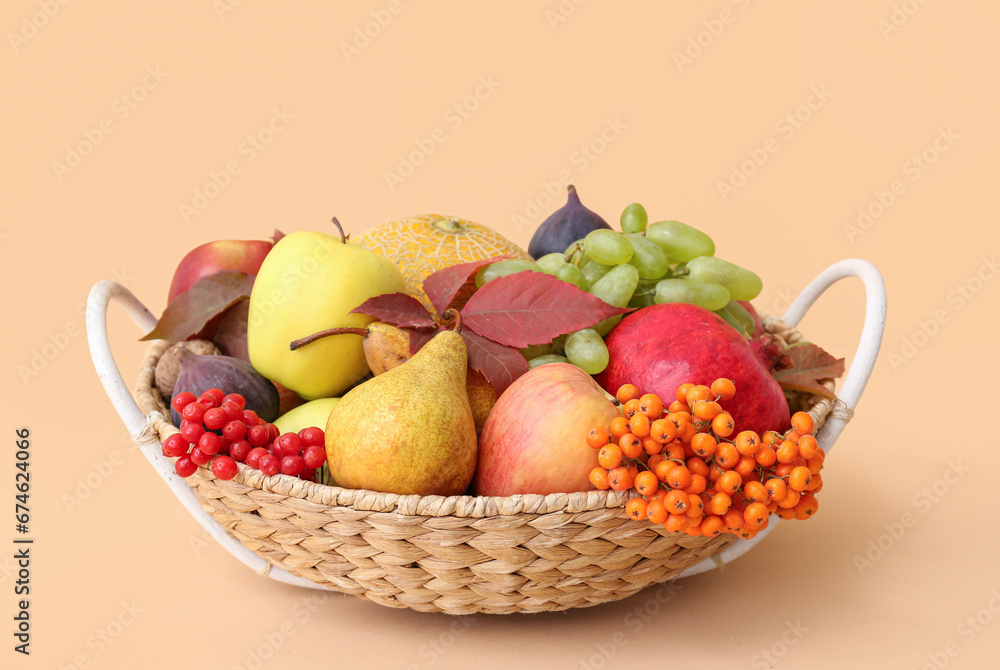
{"x": 421, "y": 245}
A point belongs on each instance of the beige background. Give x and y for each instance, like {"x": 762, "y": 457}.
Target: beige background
{"x": 122, "y": 577}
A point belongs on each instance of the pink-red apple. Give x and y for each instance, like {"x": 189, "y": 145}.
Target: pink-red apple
{"x": 211, "y": 257}
{"x": 535, "y": 437}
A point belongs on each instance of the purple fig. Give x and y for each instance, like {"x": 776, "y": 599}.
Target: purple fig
{"x": 566, "y": 225}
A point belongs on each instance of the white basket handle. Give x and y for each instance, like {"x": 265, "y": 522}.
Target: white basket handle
{"x": 142, "y": 432}
{"x": 854, "y": 382}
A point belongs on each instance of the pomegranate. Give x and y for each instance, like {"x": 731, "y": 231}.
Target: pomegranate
{"x": 660, "y": 347}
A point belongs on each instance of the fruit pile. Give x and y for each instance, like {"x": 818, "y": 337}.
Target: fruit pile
{"x": 641, "y": 265}
{"x": 217, "y": 429}
{"x": 691, "y": 477}
{"x": 432, "y": 356}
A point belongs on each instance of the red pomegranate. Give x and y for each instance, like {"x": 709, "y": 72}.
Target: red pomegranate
{"x": 660, "y": 347}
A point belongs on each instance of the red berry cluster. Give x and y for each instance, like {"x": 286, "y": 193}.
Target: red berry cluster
{"x": 218, "y": 429}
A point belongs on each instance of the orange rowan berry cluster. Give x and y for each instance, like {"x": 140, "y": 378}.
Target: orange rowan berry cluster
{"x": 691, "y": 477}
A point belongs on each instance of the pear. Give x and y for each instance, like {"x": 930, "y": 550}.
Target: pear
{"x": 387, "y": 346}
{"x": 410, "y": 429}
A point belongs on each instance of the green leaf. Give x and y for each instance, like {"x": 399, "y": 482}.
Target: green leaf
{"x": 208, "y": 297}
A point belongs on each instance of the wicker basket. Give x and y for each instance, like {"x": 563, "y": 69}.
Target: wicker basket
{"x": 458, "y": 554}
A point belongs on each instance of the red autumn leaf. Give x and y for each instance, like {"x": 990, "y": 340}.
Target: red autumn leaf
{"x": 208, "y": 297}
{"x": 397, "y": 308}
{"x": 810, "y": 364}
{"x": 421, "y": 336}
{"x": 500, "y": 365}
{"x": 528, "y": 308}
{"x": 442, "y": 286}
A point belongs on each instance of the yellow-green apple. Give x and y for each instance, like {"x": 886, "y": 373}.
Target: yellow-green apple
{"x": 310, "y": 282}
{"x": 535, "y": 437}
{"x": 211, "y": 257}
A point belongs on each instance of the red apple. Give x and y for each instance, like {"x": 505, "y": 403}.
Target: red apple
{"x": 535, "y": 437}
{"x": 239, "y": 255}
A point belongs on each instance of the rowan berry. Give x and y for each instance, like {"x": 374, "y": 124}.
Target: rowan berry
{"x": 635, "y": 508}
{"x": 597, "y": 437}
{"x": 803, "y": 423}
{"x": 651, "y": 406}
{"x": 627, "y": 392}
{"x": 723, "y": 388}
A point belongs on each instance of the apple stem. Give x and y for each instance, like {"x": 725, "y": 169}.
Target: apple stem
{"x": 343, "y": 238}
{"x": 325, "y": 333}
{"x": 453, "y": 318}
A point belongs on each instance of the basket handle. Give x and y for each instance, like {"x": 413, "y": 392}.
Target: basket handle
{"x": 142, "y": 430}
{"x": 854, "y": 382}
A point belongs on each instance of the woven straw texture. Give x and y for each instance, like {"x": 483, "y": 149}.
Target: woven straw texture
{"x": 458, "y": 554}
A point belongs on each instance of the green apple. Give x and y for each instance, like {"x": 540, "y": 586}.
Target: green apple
{"x": 312, "y": 414}
{"x": 308, "y": 283}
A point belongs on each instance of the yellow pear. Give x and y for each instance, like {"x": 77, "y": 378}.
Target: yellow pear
{"x": 408, "y": 430}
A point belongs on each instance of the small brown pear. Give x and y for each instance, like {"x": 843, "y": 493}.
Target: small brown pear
{"x": 410, "y": 429}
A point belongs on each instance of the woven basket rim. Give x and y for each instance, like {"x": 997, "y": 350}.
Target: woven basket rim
{"x": 157, "y": 414}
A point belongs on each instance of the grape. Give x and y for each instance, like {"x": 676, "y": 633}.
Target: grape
{"x": 634, "y": 218}
{"x": 703, "y": 294}
{"x": 549, "y": 263}
{"x": 647, "y": 258}
{"x": 736, "y": 316}
{"x": 586, "y": 350}
{"x": 547, "y": 358}
{"x": 608, "y": 247}
{"x": 573, "y": 275}
{"x": 615, "y": 288}
{"x": 642, "y": 300}
{"x": 741, "y": 283}
{"x": 593, "y": 270}
{"x": 504, "y": 268}
{"x": 679, "y": 241}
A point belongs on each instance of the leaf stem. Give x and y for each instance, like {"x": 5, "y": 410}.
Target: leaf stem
{"x": 326, "y": 333}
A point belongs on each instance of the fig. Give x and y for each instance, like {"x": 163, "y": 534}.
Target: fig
{"x": 566, "y": 225}
{"x": 168, "y": 367}
{"x": 200, "y": 373}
